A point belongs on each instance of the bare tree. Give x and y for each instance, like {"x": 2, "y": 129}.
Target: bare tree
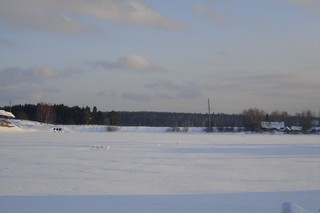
{"x": 45, "y": 113}
{"x": 252, "y": 118}
{"x": 305, "y": 119}
{"x": 279, "y": 116}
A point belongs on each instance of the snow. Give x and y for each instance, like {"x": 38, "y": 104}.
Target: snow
{"x": 6, "y": 114}
{"x": 272, "y": 125}
{"x": 296, "y": 128}
{"x": 144, "y": 169}
{"x": 32, "y": 126}
{"x": 288, "y": 207}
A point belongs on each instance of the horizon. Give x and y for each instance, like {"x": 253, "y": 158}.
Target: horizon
{"x": 147, "y": 55}
{"x": 316, "y": 113}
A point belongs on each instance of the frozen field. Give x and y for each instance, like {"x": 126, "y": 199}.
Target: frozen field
{"x": 154, "y": 171}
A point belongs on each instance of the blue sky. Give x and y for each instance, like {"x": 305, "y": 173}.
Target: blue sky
{"x": 160, "y": 55}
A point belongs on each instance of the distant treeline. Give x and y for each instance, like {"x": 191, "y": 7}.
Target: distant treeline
{"x": 57, "y": 114}
{"x": 248, "y": 120}
{"x": 171, "y": 119}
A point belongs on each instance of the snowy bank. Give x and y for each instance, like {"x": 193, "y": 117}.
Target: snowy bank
{"x": 25, "y": 125}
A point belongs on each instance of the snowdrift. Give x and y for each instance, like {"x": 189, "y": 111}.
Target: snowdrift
{"x": 288, "y": 207}
{"x": 24, "y": 125}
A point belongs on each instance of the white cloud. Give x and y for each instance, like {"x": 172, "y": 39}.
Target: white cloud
{"x": 42, "y": 15}
{"x": 132, "y": 12}
{"x": 64, "y": 16}
{"x": 211, "y": 15}
{"x": 132, "y": 62}
{"x": 135, "y": 62}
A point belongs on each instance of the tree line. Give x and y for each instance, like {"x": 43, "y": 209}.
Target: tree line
{"x": 248, "y": 120}
{"x": 57, "y": 113}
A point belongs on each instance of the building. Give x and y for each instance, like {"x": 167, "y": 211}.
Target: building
{"x": 5, "y": 114}
{"x": 271, "y": 126}
{"x": 3, "y": 118}
{"x": 293, "y": 129}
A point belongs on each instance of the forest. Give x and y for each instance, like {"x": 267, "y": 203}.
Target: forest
{"x": 57, "y": 114}
{"x": 248, "y": 120}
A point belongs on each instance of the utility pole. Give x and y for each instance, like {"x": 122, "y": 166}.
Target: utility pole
{"x": 10, "y": 105}
{"x": 209, "y": 117}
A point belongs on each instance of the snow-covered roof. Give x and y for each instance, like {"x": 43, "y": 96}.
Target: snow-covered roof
{"x": 272, "y": 125}
{"x": 296, "y": 128}
{"x": 6, "y": 114}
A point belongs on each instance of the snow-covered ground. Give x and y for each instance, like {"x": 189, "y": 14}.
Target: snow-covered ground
{"x": 141, "y": 169}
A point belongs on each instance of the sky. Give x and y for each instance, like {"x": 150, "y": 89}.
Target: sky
{"x": 161, "y": 55}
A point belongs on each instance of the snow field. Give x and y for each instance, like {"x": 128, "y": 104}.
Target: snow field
{"x": 165, "y": 172}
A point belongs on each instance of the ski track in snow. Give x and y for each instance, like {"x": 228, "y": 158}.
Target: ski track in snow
{"x": 85, "y": 169}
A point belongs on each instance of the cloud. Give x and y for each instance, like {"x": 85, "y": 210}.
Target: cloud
{"x": 188, "y": 93}
{"x": 160, "y": 90}
{"x": 8, "y": 43}
{"x": 107, "y": 93}
{"x": 136, "y": 96}
{"x": 26, "y": 92}
{"x": 282, "y": 85}
{"x": 306, "y": 4}
{"x": 40, "y": 15}
{"x": 67, "y": 16}
{"x": 132, "y": 12}
{"x": 33, "y": 75}
{"x": 211, "y": 15}
{"x": 162, "y": 84}
{"x": 132, "y": 62}
{"x": 168, "y": 90}
{"x": 28, "y": 83}
{"x": 135, "y": 62}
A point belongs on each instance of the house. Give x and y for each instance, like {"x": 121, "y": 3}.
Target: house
{"x": 5, "y": 114}
{"x": 293, "y": 129}
{"x": 315, "y": 123}
{"x": 315, "y": 130}
{"x": 3, "y": 118}
{"x": 270, "y": 126}
{"x": 296, "y": 128}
